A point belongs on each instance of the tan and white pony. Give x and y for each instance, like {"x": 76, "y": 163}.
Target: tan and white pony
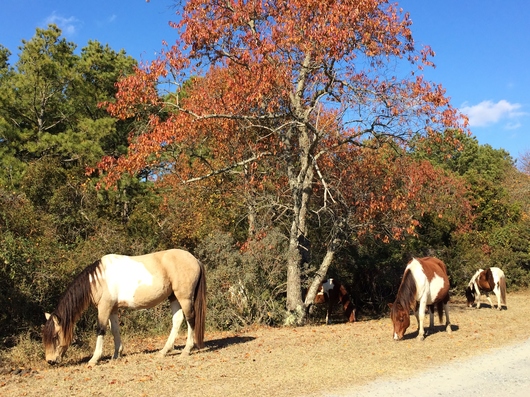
{"x": 489, "y": 280}
{"x": 425, "y": 281}
{"x": 137, "y": 282}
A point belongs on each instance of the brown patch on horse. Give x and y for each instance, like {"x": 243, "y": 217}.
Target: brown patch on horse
{"x": 435, "y": 267}
{"x": 320, "y": 297}
{"x": 485, "y": 281}
{"x": 432, "y": 266}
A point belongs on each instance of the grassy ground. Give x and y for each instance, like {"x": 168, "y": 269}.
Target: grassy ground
{"x": 310, "y": 360}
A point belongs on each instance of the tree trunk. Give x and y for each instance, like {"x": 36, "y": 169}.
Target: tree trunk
{"x": 294, "y": 281}
{"x": 319, "y": 277}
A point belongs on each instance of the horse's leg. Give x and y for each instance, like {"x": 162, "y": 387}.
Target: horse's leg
{"x": 328, "y": 312}
{"x": 104, "y": 312}
{"x": 115, "y": 329}
{"x": 431, "y": 319}
{"x": 489, "y": 300}
{"x": 497, "y": 292}
{"x": 447, "y": 321}
{"x": 177, "y": 318}
{"x": 478, "y": 298}
{"x": 189, "y": 313}
{"x": 421, "y": 316}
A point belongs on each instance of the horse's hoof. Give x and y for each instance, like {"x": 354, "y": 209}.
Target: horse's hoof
{"x": 448, "y": 329}
{"x": 420, "y": 338}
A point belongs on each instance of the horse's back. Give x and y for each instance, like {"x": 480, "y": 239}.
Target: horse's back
{"x": 497, "y": 273}
{"x": 145, "y": 280}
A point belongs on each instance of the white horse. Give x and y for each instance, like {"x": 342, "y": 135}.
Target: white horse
{"x": 489, "y": 280}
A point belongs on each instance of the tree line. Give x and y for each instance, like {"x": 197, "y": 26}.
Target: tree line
{"x": 271, "y": 190}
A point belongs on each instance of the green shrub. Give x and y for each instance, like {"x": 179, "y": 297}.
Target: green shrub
{"x": 246, "y": 285}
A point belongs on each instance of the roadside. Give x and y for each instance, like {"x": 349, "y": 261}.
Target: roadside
{"x": 501, "y": 372}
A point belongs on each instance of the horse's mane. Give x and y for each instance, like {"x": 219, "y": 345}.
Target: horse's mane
{"x": 73, "y": 303}
{"x": 406, "y": 295}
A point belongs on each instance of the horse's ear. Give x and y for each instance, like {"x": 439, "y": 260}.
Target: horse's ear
{"x": 390, "y": 305}
{"x": 53, "y": 317}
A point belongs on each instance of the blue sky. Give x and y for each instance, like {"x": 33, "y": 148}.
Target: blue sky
{"x": 482, "y": 49}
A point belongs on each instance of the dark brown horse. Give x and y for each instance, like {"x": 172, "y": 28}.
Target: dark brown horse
{"x": 425, "y": 281}
{"x": 137, "y": 282}
{"x": 332, "y": 292}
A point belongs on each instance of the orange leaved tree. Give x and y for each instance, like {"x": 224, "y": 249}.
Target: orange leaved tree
{"x": 288, "y": 95}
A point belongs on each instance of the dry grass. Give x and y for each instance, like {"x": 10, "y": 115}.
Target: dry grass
{"x": 279, "y": 362}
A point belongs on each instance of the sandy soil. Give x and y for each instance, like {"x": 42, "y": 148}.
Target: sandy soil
{"x": 316, "y": 360}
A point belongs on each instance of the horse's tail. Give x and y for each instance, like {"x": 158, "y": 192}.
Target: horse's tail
{"x": 200, "y": 308}
{"x": 502, "y": 287}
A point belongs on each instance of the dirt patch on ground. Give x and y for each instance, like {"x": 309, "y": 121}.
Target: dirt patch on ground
{"x": 310, "y": 360}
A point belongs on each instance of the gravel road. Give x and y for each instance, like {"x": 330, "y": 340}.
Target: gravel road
{"x": 501, "y": 372}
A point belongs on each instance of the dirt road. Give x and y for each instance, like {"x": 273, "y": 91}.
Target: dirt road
{"x": 503, "y": 372}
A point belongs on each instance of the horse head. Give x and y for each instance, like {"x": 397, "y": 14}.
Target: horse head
{"x": 400, "y": 319}
{"x": 55, "y": 341}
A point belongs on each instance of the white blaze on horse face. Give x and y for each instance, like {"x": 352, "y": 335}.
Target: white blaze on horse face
{"x": 124, "y": 276}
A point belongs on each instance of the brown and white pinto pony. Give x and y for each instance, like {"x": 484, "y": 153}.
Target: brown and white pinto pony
{"x": 332, "y": 292}
{"x": 425, "y": 281}
{"x": 137, "y": 282}
{"x": 489, "y": 280}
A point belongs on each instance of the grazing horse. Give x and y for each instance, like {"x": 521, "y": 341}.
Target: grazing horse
{"x": 486, "y": 281}
{"x": 137, "y": 282}
{"x": 333, "y": 292}
{"x": 425, "y": 281}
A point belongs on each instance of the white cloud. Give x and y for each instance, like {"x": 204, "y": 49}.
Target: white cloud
{"x": 487, "y": 113}
{"x": 513, "y": 125}
{"x": 69, "y": 26}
